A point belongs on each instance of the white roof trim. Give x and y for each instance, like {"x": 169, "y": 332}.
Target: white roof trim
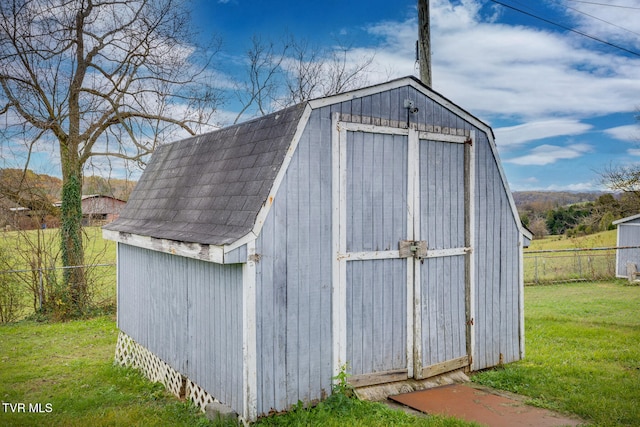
{"x": 629, "y": 218}
{"x": 210, "y": 253}
{"x": 266, "y": 207}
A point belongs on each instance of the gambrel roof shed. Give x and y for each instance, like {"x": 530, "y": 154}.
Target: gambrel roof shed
{"x": 374, "y": 228}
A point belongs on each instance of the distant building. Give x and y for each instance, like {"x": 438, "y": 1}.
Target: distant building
{"x": 628, "y": 244}
{"x": 100, "y": 210}
{"x": 97, "y": 210}
{"x": 16, "y": 217}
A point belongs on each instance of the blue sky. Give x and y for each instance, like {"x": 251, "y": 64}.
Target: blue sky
{"x": 562, "y": 105}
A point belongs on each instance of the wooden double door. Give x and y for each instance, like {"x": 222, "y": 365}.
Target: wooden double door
{"x": 403, "y": 243}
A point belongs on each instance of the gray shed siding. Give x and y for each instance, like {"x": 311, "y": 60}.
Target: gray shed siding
{"x": 497, "y": 275}
{"x": 497, "y": 321}
{"x": 628, "y": 235}
{"x": 188, "y": 313}
{"x": 376, "y": 199}
{"x": 295, "y": 247}
{"x": 442, "y": 225}
{"x": 293, "y": 278}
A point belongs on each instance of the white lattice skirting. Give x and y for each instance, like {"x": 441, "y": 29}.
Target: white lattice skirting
{"x": 130, "y": 353}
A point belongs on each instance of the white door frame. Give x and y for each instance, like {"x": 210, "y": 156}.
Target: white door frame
{"x": 342, "y": 256}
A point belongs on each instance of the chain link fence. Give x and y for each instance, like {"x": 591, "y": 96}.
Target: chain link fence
{"x": 24, "y": 292}
{"x": 569, "y": 265}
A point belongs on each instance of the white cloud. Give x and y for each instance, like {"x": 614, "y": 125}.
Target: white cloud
{"x": 629, "y": 133}
{"x": 515, "y": 135}
{"x": 499, "y": 70}
{"x": 547, "y": 154}
{"x": 578, "y": 186}
{"x": 617, "y": 25}
{"x": 634, "y": 152}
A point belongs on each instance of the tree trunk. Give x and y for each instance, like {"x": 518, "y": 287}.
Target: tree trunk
{"x": 71, "y": 229}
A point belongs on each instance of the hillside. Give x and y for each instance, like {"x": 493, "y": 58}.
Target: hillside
{"x": 14, "y": 185}
{"x": 553, "y": 199}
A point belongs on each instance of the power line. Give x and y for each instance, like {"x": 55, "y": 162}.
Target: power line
{"x": 604, "y": 4}
{"x": 602, "y": 20}
{"x": 566, "y": 28}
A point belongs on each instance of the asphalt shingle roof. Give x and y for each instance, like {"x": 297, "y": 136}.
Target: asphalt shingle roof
{"x": 209, "y": 189}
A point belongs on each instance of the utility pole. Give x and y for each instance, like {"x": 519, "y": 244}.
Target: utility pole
{"x": 424, "y": 42}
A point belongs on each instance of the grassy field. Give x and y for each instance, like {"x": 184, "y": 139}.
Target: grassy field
{"x": 583, "y": 357}
{"x": 28, "y": 259}
{"x": 97, "y": 248}
{"x": 597, "y": 240}
{"x": 67, "y": 368}
{"x": 582, "y": 352}
{"x": 570, "y": 265}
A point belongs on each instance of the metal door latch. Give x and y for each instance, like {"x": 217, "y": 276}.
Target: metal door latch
{"x": 413, "y": 248}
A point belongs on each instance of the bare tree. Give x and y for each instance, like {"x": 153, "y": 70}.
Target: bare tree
{"x": 294, "y": 71}
{"x": 263, "y": 71}
{"x": 98, "y": 78}
{"x": 315, "y": 72}
{"x": 624, "y": 178}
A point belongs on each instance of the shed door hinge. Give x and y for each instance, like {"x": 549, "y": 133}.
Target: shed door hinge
{"x": 470, "y": 322}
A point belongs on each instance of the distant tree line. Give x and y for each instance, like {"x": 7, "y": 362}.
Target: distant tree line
{"x": 547, "y": 217}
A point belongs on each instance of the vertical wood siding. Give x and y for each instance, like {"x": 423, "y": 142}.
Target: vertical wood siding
{"x": 294, "y": 278}
{"x": 497, "y": 250}
{"x": 377, "y": 179}
{"x": 497, "y": 277}
{"x": 376, "y": 191}
{"x": 442, "y": 207}
{"x": 442, "y": 225}
{"x": 151, "y": 306}
{"x": 628, "y": 235}
{"x": 187, "y": 312}
{"x": 376, "y": 315}
{"x": 295, "y": 248}
{"x": 443, "y": 309}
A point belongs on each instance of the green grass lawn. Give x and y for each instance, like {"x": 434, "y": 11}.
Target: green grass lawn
{"x": 26, "y": 262}
{"x": 604, "y": 239}
{"x": 67, "y": 368}
{"x": 582, "y": 352}
{"x": 561, "y": 263}
{"x": 583, "y": 358}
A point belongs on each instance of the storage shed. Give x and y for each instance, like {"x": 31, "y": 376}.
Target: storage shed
{"x": 373, "y": 228}
{"x": 628, "y": 244}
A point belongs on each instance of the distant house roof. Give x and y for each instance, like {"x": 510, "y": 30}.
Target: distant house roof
{"x": 210, "y": 188}
{"x": 97, "y": 196}
{"x": 91, "y": 196}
